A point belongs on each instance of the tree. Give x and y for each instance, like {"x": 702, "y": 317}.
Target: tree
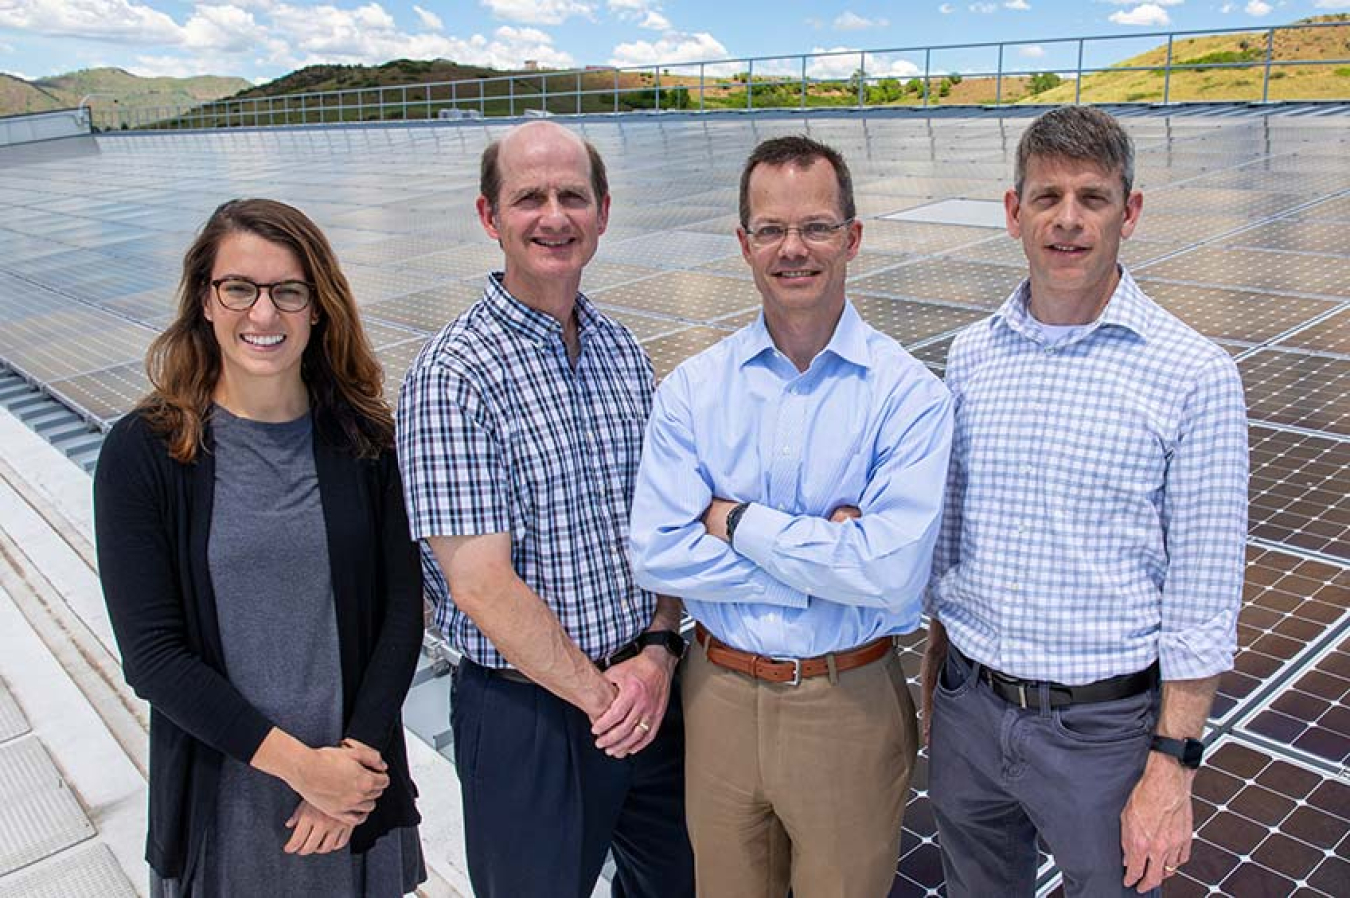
{"x": 1043, "y": 81}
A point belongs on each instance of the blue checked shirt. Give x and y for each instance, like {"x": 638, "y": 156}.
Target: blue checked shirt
{"x": 498, "y": 433}
{"x": 865, "y": 425}
{"x": 1096, "y": 510}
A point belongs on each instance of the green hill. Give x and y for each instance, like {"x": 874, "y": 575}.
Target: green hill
{"x": 130, "y": 91}
{"x": 1245, "y": 52}
{"x": 18, "y": 96}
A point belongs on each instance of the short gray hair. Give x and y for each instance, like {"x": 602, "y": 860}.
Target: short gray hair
{"x": 1081, "y": 133}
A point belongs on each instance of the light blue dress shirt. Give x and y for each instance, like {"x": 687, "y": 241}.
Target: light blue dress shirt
{"x": 865, "y": 425}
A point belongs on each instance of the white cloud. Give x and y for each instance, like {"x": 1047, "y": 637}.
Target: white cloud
{"x": 845, "y": 64}
{"x": 654, "y": 21}
{"x": 984, "y": 7}
{"x": 1035, "y": 51}
{"x": 946, "y": 9}
{"x": 175, "y": 66}
{"x": 367, "y": 35}
{"x": 1257, "y": 8}
{"x": 429, "y": 19}
{"x": 1019, "y": 5}
{"x": 851, "y": 21}
{"x": 1147, "y": 14}
{"x": 1134, "y": 2}
{"x": 1332, "y": 4}
{"x": 223, "y": 29}
{"x": 1226, "y": 8}
{"x": 121, "y": 21}
{"x": 671, "y": 47}
{"x": 539, "y": 12}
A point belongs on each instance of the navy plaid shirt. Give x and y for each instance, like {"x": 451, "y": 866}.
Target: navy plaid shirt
{"x": 498, "y": 433}
{"x": 1096, "y": 511}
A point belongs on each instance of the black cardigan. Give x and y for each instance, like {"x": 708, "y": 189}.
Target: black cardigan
{"x": 152, "y": 518}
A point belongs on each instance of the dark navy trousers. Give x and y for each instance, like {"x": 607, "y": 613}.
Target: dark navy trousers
{"x": 543, "y": 805}
{"x": 1000, "y": 775}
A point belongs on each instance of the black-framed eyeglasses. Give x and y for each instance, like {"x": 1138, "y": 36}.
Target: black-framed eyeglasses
{"x": 811, "y": 232}
{"x": 239, "y": 294}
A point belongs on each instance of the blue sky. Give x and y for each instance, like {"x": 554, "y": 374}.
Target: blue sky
{"x": 262, "y": 39}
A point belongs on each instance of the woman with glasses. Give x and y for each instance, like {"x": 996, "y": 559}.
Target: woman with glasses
{"x": 262, "y": 587}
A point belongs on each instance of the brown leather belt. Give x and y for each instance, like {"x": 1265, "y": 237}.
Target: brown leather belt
{"x": 788, "y": 670}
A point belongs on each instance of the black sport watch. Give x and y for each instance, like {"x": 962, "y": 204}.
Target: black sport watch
{"x": 1188, "y": 751}
{"x": 733, "y": 519}
{"x": 669, "y": 640}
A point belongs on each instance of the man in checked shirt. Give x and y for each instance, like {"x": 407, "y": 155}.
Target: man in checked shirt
{"x": 519, "y": 436}
{"x": 1088, "y": 576}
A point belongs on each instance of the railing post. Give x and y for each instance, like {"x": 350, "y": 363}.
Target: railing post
{"x": 543, "y": 92}
{"x": 701, "y": 73}
{"x": 482, "y": 99}
{"x": 454, "y": 98}
{"x": 1167, "y": 73}
{"x": 616, "y": 90}
{"x": 803, "y": 81}
{"x": 578, "y": 93}
{"x": 656, "y": 80}
{"x": 1078, "y": 76}
{"x": 927, "y": 58}
{"x": 998, "y": 79}
{"x": 1270, "y": 53}
{"x": 511, "y": 92}
{"x": 862, "y": 79}
{"x": 750, "y": 85}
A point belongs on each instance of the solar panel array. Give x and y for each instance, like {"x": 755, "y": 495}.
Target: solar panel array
{"x": 1244, "y": 236}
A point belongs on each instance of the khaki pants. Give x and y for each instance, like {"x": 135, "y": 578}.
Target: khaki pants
{"x": 800, "y": 786}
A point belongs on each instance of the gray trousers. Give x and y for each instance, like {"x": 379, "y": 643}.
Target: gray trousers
{"x": 1000, "y": 775}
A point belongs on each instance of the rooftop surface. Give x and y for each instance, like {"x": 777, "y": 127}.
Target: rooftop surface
{"x": 1244, "y": 236}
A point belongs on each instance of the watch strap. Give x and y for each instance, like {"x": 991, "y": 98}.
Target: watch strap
{"x": 733, "y": 521}
{"x": 1189, "y": 752}
{"x": 670, "y": 640}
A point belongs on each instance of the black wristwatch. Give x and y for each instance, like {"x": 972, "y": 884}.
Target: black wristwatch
{"x": 670, "y": 640}
{"x": 733, "y": 519}
{"x": 1188, "y": 751}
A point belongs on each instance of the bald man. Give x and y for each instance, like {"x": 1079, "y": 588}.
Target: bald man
{"x": 520, "y": 433}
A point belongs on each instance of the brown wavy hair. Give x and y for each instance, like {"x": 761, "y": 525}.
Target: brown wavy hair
{"x": 344, "y": 380}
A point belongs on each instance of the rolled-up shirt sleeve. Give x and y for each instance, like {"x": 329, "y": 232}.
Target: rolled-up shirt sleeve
{"x": 1204, "y": 516}
{"x": 672, "y": 552}
{"x": 881, "y": 559}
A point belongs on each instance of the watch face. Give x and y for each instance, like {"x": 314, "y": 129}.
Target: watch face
{"x": 1193, "y": 753}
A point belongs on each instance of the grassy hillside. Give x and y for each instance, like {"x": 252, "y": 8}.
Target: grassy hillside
{"x": 375, "y": 93}
{"x": 1245, "y": 52}
{"x": 18, "y": 96}
{"x": 131, "y": 91}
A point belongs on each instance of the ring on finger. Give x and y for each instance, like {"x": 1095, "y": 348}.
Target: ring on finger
{"x": 642, "y": 725}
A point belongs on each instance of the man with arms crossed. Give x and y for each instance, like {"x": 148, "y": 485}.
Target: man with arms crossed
{"x": 790, "y": 492}
{"x": 1093, "y": 543}
{"x": 520, "y": 431}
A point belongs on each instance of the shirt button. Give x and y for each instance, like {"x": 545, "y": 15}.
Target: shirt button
{"x": 787, "y": 450}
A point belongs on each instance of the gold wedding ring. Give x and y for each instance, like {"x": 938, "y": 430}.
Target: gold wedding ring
{"x": 643, "y": 725}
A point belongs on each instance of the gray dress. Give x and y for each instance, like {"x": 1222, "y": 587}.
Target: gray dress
{"x": 268, "y": 558}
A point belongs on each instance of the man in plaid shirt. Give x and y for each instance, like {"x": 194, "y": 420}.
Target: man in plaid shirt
{"x": 520, "y": 431}
{"x": 1092, "y": 548}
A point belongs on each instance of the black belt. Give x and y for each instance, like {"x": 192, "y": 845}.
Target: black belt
{"x": 623, "y": 654}
{"x": 1027, "y": 693}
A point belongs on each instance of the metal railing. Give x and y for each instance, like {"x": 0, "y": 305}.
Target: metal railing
{"x": 853, "y": 79}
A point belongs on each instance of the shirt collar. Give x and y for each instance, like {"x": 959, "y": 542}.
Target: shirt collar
{"x": 1127, "y": 308}
{"x": 531, "y": 322}
{"x": 848, "y": 342}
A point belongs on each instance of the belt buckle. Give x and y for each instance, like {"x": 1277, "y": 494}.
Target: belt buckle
{"x": 796, "y": 669}
{"x": 1022, "y": 695}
